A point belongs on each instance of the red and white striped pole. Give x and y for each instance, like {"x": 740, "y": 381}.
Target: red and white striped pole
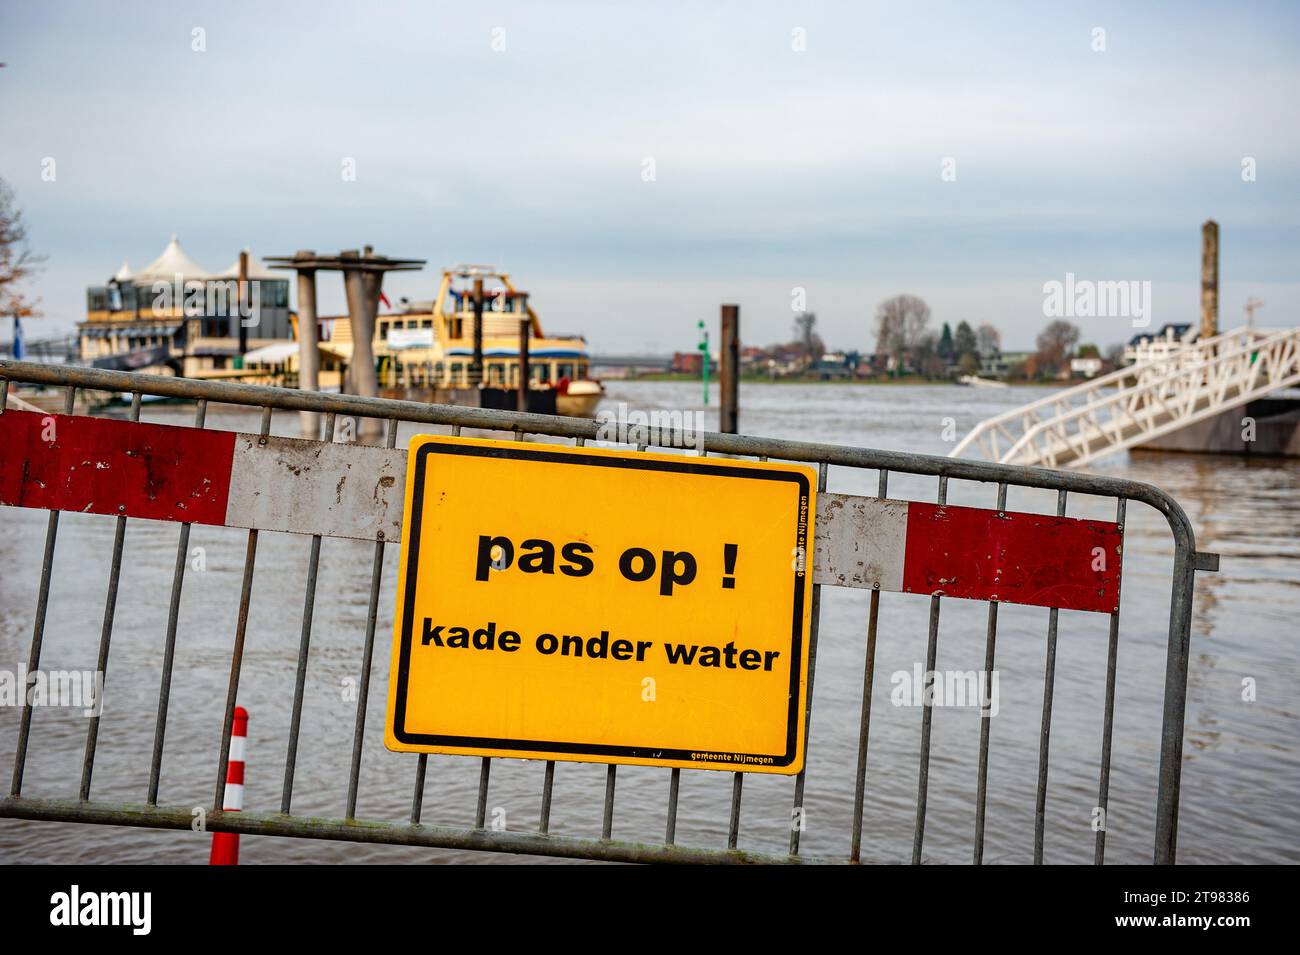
{"x": 225, "y": 845}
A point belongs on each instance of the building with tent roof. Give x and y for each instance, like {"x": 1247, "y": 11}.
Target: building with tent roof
{"x": 173, "y": 316}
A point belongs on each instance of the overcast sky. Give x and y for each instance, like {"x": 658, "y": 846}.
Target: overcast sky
{"x": 774, "y": 168}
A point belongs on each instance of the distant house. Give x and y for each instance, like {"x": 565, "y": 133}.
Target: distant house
{"x": 992, "y": 365}
{"x": 691, "y": 363}
{"x": 831, "y": 365}
{"x": 1178, "y": 331}
{"x": 753, "y": 358}
{"x": 999, "y": 364}
{"x": 1085, "y": 367}
{"x": 1158, "y": 345}
{"x": 876, "y": 363}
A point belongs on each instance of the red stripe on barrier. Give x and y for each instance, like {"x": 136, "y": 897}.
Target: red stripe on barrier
{"x": 1035, "y": 559}
{"x": 235, "y": 773}
{"x": 108, "y": 466}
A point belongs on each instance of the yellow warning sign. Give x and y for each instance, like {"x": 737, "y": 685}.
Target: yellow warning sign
{"x": 602, "y": 606}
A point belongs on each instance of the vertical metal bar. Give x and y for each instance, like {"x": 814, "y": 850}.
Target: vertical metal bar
{"x": 864, "y": 721}
{"x": 607, "y": 825}
{"x": 674, "y": 786}
{"x": 981, "y": 785}
{"x": 417, "y": 801}
{"x": 304, "y": 649}
{"x": 1045, "y": 733}
{"x": 38, "y": 630}
{"x": 169, "y": 645}
{"x": 105, "y": 638}
{"x": 1108, "y": 721}
{"x": 106, "y": 631}
{"x": 480, "y": 817}
{"x": 363, "y": 693}
{"x": 796, "y": 812}
{"x": 927, "y": 712}
{"x": 548, "y": 784}
{"x": 4, "y": 394}
{"x": 237, "y": 651}
{"x": 1175, "y": 709}
{"x": 733, "y": 831}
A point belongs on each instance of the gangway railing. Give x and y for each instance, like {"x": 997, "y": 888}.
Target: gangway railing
{"x": 1134, "y": 405}
{"x": 843, "y": 556}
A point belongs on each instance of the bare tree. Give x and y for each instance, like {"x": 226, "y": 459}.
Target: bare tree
{"x": 1055, "y": 346}
{"x": 805, "y": 334}
{"x": 901, "y": 325}
{"x": 988, "y": 340}
{"x": 17, "y": 262}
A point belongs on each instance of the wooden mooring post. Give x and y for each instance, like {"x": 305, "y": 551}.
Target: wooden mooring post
{"x": 729, "y": 380}
{"x": 1209, "y": 279}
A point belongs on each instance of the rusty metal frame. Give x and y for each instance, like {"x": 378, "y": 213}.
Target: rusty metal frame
{"x": 149, "y": 814}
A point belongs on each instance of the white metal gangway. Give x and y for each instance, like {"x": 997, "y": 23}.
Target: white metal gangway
{"x": 1143, "y": 401}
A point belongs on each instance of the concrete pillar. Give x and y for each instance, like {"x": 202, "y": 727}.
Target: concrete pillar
{"x": 364, "y": 380}
{"x": 308, "y": 344}
{"x": 1209, "y": 279}
{"x": 729, "y": 382}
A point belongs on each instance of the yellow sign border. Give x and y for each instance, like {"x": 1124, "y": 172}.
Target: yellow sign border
{"x": 397, "y": 739}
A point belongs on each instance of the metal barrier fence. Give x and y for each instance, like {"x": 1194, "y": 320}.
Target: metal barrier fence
{"x": 148, "y": 813}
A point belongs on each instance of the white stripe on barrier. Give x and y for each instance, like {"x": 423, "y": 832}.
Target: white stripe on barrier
{"x": 859, "y": 542}
{"x": 237, "y": 747}
{"x": 234, "y": 800}
{"x": 311, "y": 487}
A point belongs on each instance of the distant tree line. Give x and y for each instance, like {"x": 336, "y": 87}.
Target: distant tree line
{"x": 904, "y": 339}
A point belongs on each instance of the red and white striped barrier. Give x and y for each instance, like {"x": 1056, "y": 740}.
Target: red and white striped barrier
{"x": 225, "y": 845}
{"x": 169, "y": 473}
{"x": 918, "y": 548}
{"x": 162, "y": 472}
